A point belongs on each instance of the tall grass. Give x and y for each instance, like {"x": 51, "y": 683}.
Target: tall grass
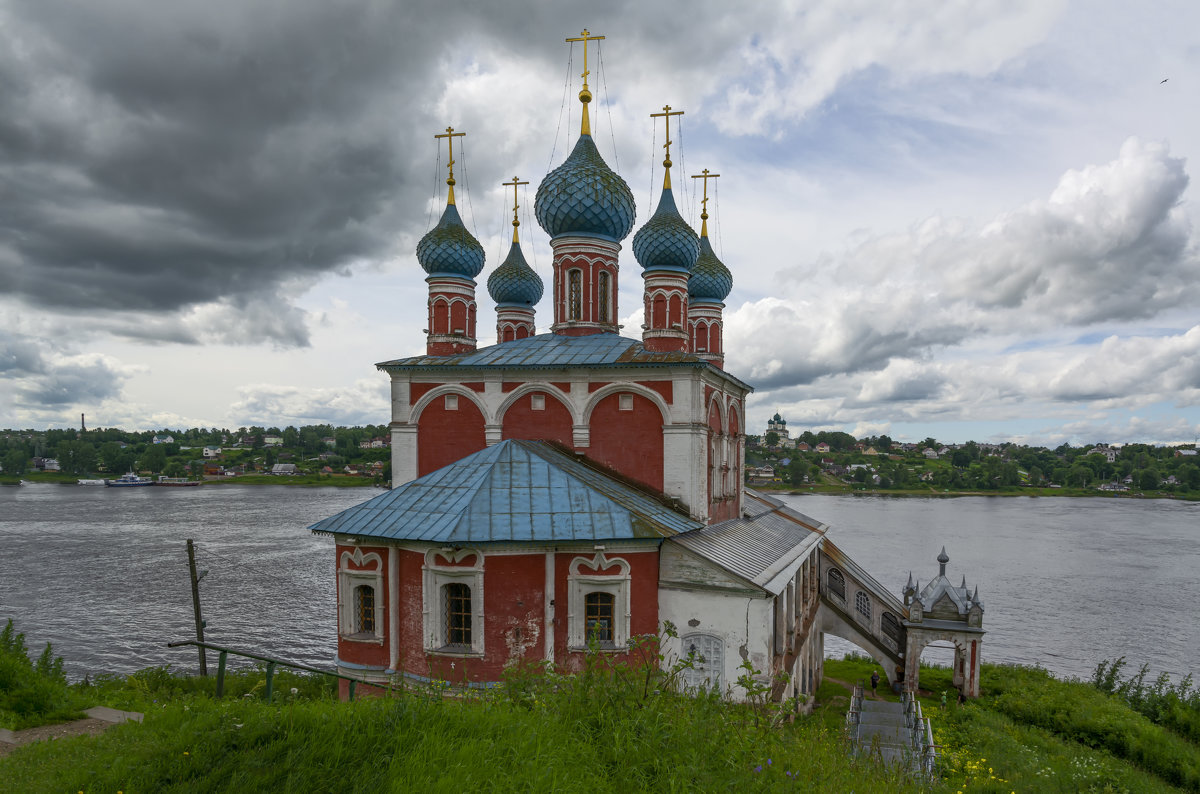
{"x": 33, "y": 693}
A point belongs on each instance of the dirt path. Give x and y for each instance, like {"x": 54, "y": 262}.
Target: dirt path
{"x": 99, "y": 720}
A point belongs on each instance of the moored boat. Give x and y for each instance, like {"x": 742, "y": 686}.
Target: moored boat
{"x": 129, "y": 480}
{"x": 92, "y": 482}
{"x": 176, "y": 481}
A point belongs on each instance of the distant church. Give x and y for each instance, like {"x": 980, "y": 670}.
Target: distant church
{"x": 576, "y": 488}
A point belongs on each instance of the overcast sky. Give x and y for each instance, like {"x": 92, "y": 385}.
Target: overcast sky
{"x": 965, "y": 220}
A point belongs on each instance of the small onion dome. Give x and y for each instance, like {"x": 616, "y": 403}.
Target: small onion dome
{"x": 514, "y": 282}
{"x": 449, "y": 248}
{"x": 666, "y": 242}
{"x": 710, "y": 279}
{"x": 585, "y": 196}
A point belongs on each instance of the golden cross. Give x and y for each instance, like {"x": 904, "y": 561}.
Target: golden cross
{"x": 666, "y": 115}
{"x": 450, "y": 135}
{"x": 705, "y": 175}
{"x": 515, "y": 181}
{"x": 585, "y": 37}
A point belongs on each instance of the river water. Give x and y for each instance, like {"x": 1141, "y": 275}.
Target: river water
{"x": 102, "y": 572}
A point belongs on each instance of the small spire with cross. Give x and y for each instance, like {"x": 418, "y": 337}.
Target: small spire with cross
{"x": 515, "y": 181}
{"x": 585, "y": 96}
{"x": 705, "y": 175}
{"x": 450, "y": 135}
{"x": 666, "y": 116}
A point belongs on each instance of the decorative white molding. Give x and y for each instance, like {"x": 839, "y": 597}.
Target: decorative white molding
{"x": 435, "y": 575}
{"x": 579, "y": 584}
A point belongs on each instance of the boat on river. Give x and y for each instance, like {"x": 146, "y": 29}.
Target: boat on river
{"x": 92, "y": 482}
{"x": 177, "y": 481}
{"x": 129, "y": 480}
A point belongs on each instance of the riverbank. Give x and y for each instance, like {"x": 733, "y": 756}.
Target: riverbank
{"x": 311, "y": 480}
{"x": 856, "y": 489}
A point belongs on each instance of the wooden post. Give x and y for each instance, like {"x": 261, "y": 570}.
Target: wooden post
{"x": 196, "y": 604}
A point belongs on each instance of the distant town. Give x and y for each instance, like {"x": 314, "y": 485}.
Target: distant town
{"x": 341, "y": 455}
{"x": 820, "y": 461}
{"x": 834, "y": 461}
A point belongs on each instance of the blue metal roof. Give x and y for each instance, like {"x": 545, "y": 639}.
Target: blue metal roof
{"x": 553, "y": 351}
{"x": 515, "y": 491}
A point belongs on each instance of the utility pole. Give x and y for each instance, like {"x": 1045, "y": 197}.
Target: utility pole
{"x": 196, "y": 602}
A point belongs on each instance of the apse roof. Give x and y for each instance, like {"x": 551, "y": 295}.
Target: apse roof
{"x": 555, "y": 351}
{"x": 514, "y": 491}
{"x": 761, "y": 545}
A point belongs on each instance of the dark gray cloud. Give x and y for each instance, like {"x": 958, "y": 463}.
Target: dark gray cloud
{"x": 46, "y": 378}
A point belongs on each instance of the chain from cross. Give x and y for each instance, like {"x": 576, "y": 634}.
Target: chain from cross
{"x": 666, "y": 116}
{"x": 450, "y": 135}
{"x": 515, "y": 222}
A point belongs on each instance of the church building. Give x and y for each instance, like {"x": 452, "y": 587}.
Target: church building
{"x": 565, "y": 491}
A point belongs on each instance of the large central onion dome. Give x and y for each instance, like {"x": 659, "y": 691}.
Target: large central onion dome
{"x": 514, "y": 282}
{"x": 449, "y": 249}
{"x": 710, "y": 279}
{"x": 666, "y": 242}
{"x": 585, "y": 196}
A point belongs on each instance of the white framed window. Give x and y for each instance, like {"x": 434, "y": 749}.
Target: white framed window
{"x": 452, "y": 609}
{"x": 625, "y": 402}
{"x": 597, "y": 604}
{"x": 360, "y": 596}
{"x": 537, "y": 402}
{"x": 451, "y": 402}
{"x": 862, "y": 605}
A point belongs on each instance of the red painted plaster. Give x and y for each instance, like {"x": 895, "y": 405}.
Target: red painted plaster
{"x": 446, "y": 436}
{"x": 629, "y": 441}
{"x": 552, "y": 424}
{"x": 418, "y": 390}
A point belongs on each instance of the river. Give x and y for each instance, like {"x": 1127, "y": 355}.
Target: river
{"x": 102, "y": 572}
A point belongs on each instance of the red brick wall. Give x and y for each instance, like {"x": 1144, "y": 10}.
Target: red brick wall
{"x": 629, "y": 441}
{"x": 446, "y": 436}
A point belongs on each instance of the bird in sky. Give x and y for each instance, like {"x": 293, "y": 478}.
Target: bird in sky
{"x": 1165, "y": 79}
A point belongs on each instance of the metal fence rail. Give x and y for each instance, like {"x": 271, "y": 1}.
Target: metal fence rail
{"x": 271, "y": 665}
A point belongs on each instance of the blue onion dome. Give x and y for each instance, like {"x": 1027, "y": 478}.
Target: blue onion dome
{"x": 514, "y": 282}
{"x": 710, "y": 279}
{"x": 585, "y": 196}
{"x": 449, "y": 248}
{"x": 666, "y": 242}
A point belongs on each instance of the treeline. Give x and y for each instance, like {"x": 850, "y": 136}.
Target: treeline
{"x": 974, "y": 466}
{"x": 175, "y": 453}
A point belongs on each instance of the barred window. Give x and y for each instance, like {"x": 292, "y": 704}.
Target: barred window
{"x": 837, "y": 583}
{"x": 456, "y": 607}
{"x": 364, "y": 609}
{"x": 603, "y": 297}
{"x": 890, "y": 627}
{"x": 574, "y": 295}
{"x": 598, "y": 617}
{"x": 862, "y": 604}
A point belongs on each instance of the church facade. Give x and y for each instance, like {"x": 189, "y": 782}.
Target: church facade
{"x": 575, "y": 489}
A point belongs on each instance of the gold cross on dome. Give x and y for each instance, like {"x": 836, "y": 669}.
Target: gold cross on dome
{"x": 515, "y": 181}
{"x": 585, "y": 96}
{"x": 666, "y": 116}
{"x": 450, "y": 135}
{"x": 705, "y": 175}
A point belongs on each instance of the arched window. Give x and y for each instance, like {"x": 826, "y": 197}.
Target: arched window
{"x": 837, "y": 583}
{"x": 574, "y": 294}
{"x": 862, "y": 604}
{"x": 456, "y": 607}
{"x": 598, "y": 617}
{"x": 364, "y": 609}
{"x": 603, "y": 297}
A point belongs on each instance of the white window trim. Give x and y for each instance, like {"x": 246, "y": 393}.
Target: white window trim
{"x": 579, "y": 584}
{"x": 436, "y": 575}
{"x": 350, "y": 578}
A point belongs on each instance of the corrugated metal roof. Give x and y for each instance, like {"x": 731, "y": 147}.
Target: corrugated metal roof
{"x": 761, "y": 545}
{"x": 513, "y": 491}
{"x": 554, "y": 351}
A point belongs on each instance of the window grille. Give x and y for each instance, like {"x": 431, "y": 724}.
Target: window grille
{"x": 574, "y": 295}
{"x": 603, "y": 297}
{"x": 890, "y": 627}
{"x": 456, "y": 606}
{"x": 837, "y": 583}
{"x": 598, "y": 617}
{"x": 364, "y": 609}
{"x": 862, "y": 604}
